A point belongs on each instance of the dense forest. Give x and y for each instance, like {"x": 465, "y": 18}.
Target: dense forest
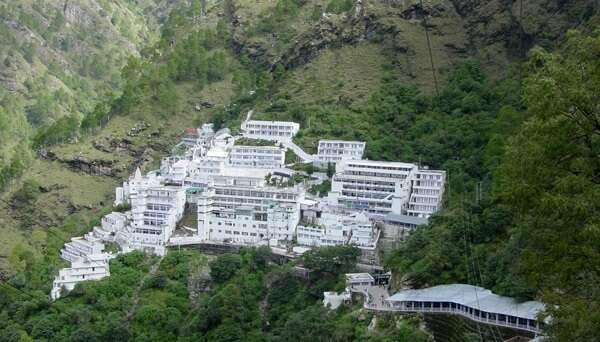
{"x": 521, "y": 209}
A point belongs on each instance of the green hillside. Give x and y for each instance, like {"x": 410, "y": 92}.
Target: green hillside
{"x": 508, "y": 109}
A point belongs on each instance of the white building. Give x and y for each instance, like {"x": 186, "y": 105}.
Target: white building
{"x": 336, "y": 230}
{"x": 249, "y": 225}
{"x": 155, "y": 210}
{"x": 177, "y": 172}
{"x": 380, "y": 187}
{"x": 270, "y": 130}
{"x": 244, "y": 210}
{"x": 257, "y": 157}
{"x": 332, "y": 151}
{"x": 374, "y": 186}
{"x": 114, "y": 222}
{"x": 90, "y": 267}
{"x": 80, "y": 247}
{"x": 363, "y": 232}
{"x": 427, "y": 191}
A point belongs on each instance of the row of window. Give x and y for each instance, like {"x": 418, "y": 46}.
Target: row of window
{"x": 424, "y": 200}
{"x": 378, "y": 167}
{"x": 471, "y": 311}
{"x": 236, "y": 150}
{"x": 364, "y": 195}
{"x": 430, "y": 192}
{"x": 375, "y": 174}
{"x": 147, "y": 231}
{"x": 159, "y": 207}
{"x": 259, "y": 194}
{"x": 235, "y": 232}
{"x": 363, "y": 182}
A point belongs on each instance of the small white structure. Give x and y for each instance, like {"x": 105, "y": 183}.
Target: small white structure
{"x": 114, "y": 221}
{"x": 270, "y": 130}
{"x": 80, "y": 247}
{"x": 359, "y": 280}
{"x": 90, "y": 267}
{"x": 332, "y": 151}
{"x": 177, "y": 172}
{"x": 271, "y": 157}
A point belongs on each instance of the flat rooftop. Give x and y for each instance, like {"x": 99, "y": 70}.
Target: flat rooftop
{"x": 397, "y": 218}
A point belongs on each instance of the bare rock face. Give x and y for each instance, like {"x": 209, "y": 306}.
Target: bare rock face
{"x": 97, "y": 167}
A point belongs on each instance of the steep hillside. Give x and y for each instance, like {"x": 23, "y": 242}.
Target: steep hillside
{"x": 59, "y": 58}
{"x": 440, "y": 84}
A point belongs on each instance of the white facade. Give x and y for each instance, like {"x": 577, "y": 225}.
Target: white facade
{"x": 80, "y": 247}
{"x": 427, "y": 191}
{"x": 257, "y": 157}
{"x": 257, "y": 212}
{"x": 91, "y": 267}
{"x": 114, "y": 222}
{"x": 249, "y": 225}
{"x": 380, "y": 187}
{"x": 373, "y": 186}
{"x": 155, "y": 211}
{"x": 336, "y": 230}
{"x": 270, "y": 130}
{"x": 332, "y": 151}
{"x": 177, "y": 172}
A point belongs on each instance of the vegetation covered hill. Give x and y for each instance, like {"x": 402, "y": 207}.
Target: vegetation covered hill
{"x": 58, "y": 59}
{"x": 518, "y": 136}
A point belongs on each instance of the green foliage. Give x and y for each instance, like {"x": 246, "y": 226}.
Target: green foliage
{"x": 253, "y": 142}
{"x": 321, "y": 189}
{"x": 550, "y": 178}
{"x": 224, "y": 267}
{"x": 339, "y": 6}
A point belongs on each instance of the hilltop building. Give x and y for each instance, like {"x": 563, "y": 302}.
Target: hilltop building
{"x": 90, "y": 267}
{"x": 270, "y": 157}
{"x": 333, "y": 151}
{"x": 269, "y": 130}
{"x": 381, "y": 187}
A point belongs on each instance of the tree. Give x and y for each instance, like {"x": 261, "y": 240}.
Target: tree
{"x": 330, "y": 169}
{"x": 224, "y": 267}
{"x": 550, "y": 176}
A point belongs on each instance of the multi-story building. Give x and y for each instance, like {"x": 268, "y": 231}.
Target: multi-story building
{"x": 258, "y": 212}
{"x": 380, "y": 187}
{"x": 335, "y": 230}
{"x": 249, "y": 225}
{"x": 257, "y": 157}
{"x": 90, "y": 267}
{"x": 373, "y": 186}
{"x": 80, "y": 247}
{"x": 114, "y": 222}
{"x": 155, "y": 211}
{"x": 427, "y": 191}
{"x": 270, "y": 130}
{"x": 332, "y": 151}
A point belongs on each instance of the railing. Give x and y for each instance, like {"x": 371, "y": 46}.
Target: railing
{"x": 459, "y": 312}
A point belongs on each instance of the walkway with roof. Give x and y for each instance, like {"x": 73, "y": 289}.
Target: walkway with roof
{"x": 471, "y": 302}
